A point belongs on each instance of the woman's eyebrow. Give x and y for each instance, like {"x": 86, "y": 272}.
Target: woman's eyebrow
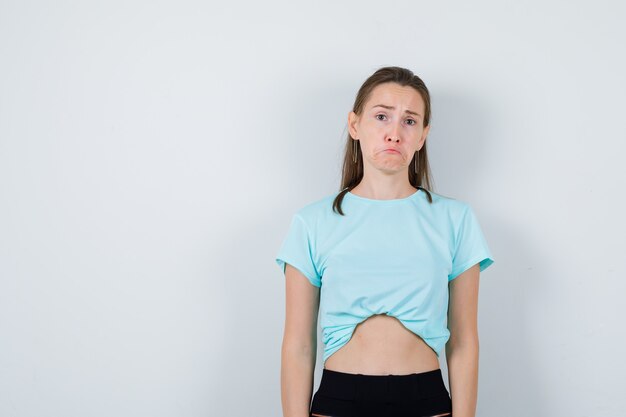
{"x": 393, "y": 108}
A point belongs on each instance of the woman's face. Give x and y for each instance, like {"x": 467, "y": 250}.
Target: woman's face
{"x": 390, "y": 128}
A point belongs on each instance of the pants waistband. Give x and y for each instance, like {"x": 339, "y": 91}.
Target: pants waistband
{"x": 349, "y": 386}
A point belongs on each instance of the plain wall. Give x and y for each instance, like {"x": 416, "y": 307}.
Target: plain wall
{"x": 152, "y": 154}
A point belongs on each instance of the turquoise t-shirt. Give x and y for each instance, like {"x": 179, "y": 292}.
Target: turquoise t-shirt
{"x": 393, "y": 257}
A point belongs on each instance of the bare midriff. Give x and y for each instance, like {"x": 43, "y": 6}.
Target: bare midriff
{"x": 381, "y": 345}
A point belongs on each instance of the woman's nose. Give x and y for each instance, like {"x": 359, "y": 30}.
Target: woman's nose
{"x": 394, "y": 133}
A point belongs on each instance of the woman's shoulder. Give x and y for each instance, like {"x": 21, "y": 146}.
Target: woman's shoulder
{"x": 317, "y": 207}
{"x": 321, "y": 209}
{"x": 448, "y": 204}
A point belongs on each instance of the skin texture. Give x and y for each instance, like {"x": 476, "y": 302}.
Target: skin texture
{"x": 381, "y": 345}
{"x": 299, "y": 345}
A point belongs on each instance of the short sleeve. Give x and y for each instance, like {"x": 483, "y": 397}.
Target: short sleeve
{"x": 470, "y": 246}
{"x": 296, "y": 250}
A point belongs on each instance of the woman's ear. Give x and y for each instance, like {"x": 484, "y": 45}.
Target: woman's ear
{"x": 353, "y": 119}
{"x": 423, "y": 138}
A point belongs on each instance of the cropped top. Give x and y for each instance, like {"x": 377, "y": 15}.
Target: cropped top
{"x": 393, "y": 257}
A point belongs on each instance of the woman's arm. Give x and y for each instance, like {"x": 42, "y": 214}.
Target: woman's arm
{"x": 299, "y": 348}
{"x": 462, "y": 349}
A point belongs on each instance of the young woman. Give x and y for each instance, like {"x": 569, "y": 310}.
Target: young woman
{"x": 391, "y": 268}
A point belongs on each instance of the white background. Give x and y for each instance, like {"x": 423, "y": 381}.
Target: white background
{"x": 152, "y": 154}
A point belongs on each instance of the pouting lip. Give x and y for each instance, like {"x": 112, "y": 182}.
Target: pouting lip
{"x": 391, "y": 149}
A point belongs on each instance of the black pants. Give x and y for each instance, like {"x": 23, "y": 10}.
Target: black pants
{"x": 357, "y": 395}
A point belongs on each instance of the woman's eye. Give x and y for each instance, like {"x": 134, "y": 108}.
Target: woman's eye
{"x": 411, "y": 120}
{"x": 380, "y": 115}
